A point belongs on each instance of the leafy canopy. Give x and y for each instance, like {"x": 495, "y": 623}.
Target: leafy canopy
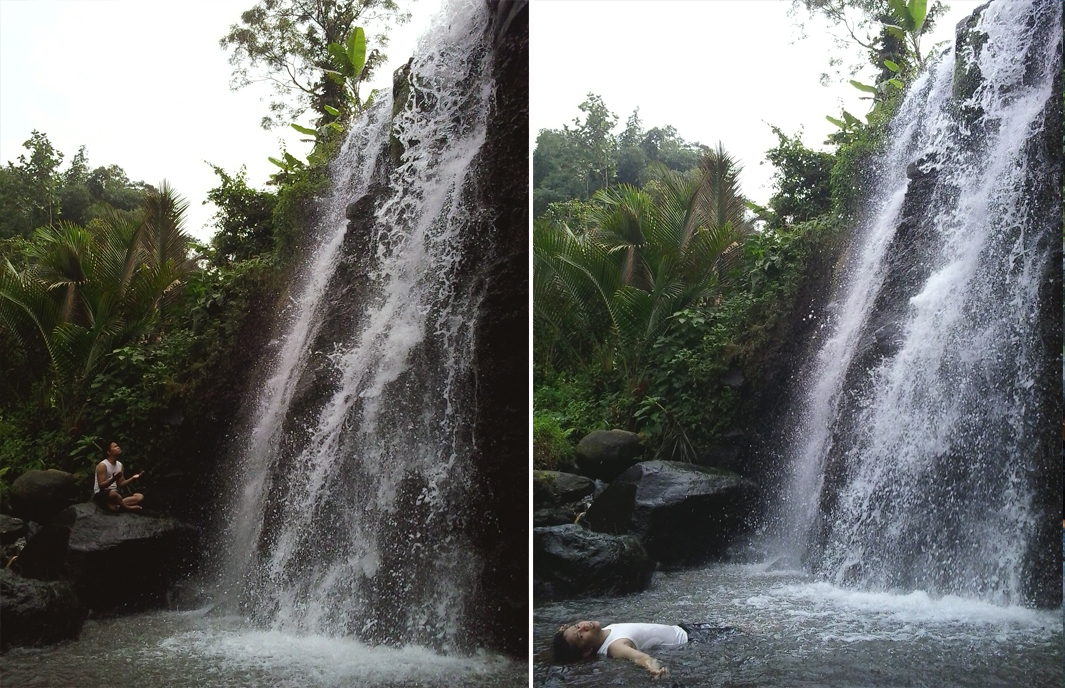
{"x": 285, "y": 43}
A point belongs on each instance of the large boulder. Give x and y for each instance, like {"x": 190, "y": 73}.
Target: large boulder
{"x": 571, "y": 561}
{"x": 40, "y": 495}
{"x": 125, "y": 560}
{"x": 37, "y": 613}
{"x": 682, "y": 513}
{"x": 606, "y": 454}
{"x": 44, "y": 555}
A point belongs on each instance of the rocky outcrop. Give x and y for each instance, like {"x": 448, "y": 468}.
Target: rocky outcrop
{"x": 45, "y": 552}
{"x": 93, "y": 549}
{"x": 559, "y": 498}
{"x": 682, "y": 513}
{"x": 571, "y": 561}
{"x": 501, "y": 338}
{"x": 40, "y": 495}
{"x": 34, "y": 612}
{"x": 606, "y": 454}
{"x": 555, "y": 487}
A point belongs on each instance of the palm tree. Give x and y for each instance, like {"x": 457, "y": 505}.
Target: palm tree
{"x": 649, "y": 253}
{"x": 88, "y": 291}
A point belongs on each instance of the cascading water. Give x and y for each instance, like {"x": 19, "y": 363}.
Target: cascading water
{"x": 350, "y": 513}
{"x": 932, "y": 405}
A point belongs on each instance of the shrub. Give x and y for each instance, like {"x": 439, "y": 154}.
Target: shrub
{"x": 551, "y": 446}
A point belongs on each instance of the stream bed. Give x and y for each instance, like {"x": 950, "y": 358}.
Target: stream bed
{"x": 195, "y": 649}
{"x": 799, "y": 632}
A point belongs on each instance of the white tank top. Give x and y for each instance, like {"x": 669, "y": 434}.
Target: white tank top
{"x": 111, "y": 470}
{"x": 644, "y": 636}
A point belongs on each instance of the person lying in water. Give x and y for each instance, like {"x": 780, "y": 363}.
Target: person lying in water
{"x": 628, "y": 641}
{"x": 109, "y": 478}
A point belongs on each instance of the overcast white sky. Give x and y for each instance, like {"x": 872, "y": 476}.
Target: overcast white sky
{"x": 144, "y": 85}
{"x": 717, "y": 71}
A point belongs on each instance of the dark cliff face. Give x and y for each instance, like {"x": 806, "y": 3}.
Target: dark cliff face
{"x": 502, "y": 344}
{"x": 1043, "y": 188}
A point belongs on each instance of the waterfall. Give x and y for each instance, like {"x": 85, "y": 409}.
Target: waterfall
{"x": 349, "y": 512}
{"x": 932, "y": 402}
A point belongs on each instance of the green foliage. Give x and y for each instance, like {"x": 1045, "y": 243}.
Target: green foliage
{"x": 244, "y": 221}
{"x": 34, "y": 192}
{"x": 609, "y": 293}
{"x": 84, "y": 292}
{"x": 881, "y": 29}
{"x": 855, "y": 148}
{"x": 285, "y": 43}
{"x": 574, "y": 163}
{"x": 613, "y": 347}
{"x": 802, "y": 181}
{"x": 552, "y": 449}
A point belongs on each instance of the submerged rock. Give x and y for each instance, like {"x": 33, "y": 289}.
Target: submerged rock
{"x": 40, "y": 495}
{"x": 682, "y": 513}
{"x": 606, "y": 454}
{"x": 34, "y": 612}
{"x": 571, "y": 561}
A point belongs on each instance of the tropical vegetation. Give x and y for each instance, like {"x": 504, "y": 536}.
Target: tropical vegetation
{"x": 114, "y": 322}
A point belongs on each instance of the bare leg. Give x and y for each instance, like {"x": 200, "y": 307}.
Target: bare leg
{"x": 132, "y": 502}
{"x": 114, "y": 500}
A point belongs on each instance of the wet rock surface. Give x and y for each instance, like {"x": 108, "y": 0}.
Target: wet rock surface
{"x": 35, "y": 612}
{"x": 40, "y": 495}
{"x": 572, "y": 561}
{"x": 681, "y": 513}
{"x": 145, "y": 553}
{"x": 606, "y": 454}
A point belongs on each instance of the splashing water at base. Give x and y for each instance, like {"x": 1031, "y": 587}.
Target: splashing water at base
{"x": 194, "y": 649}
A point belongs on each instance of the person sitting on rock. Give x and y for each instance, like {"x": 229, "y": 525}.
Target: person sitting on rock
{"x": 109, "y": 478}
{"x": 628, "y": 641}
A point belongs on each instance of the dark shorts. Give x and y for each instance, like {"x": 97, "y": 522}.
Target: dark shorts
{"x": 706, "y": 632}
{"x": 101, "y": 498}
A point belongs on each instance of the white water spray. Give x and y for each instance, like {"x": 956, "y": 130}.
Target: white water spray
{"x": 912, "y": 461}
{"x": 348, "y": 516}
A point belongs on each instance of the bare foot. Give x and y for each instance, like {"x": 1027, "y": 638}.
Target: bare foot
{"x": 134, "y": 508}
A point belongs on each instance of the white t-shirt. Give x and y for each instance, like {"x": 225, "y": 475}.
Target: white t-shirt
{"x": 644, "y": 636}
{"x": 111, "y": 470}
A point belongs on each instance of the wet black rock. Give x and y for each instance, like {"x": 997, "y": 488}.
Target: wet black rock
{"x": 682, "y": 513}
{"x": 556, "y": 487}
{"x": 606, "y": 454}
{"x": 571, "y": 561}
{"x": 11, "y": 529}
{"x": 143, "y": 554}
{"x": 559, "y": 498}
{"x": 40, "y": 495}
{"x": 34, "y": 612}
{"x": 44, "y": 553}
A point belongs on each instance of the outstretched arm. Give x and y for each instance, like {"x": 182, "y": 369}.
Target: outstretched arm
{"x": 122, "y": 482}
{"x": 624, "y": 649}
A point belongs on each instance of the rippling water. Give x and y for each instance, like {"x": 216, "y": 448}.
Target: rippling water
{"x": 193, "y": 649}
{"x": 804, "y": 633}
